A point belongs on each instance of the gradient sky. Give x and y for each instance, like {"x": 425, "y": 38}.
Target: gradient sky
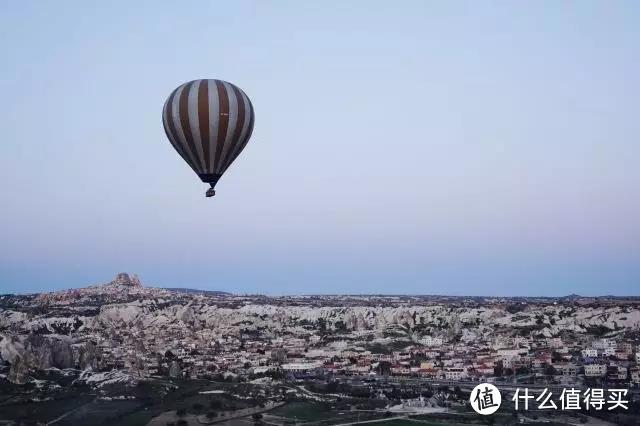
{"x": 465, "y": 148}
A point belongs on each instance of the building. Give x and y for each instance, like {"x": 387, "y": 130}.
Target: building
{"x": 595, "y": 370}
{"x": 264, "y": 369}
{"x": 567, "y": 369}
{"x": 427, "y": 365}
{"x": 455, "y": 373}
{"x": 604, "y": 344}
{"x": 513, "y": 352}
{"x": 431, "y": 341}
{"x": 300, "y": 367}
{"x": 511, "y": 362}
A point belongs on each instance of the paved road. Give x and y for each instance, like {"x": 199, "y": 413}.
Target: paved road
{"x": 68, "y": 413}
{"x": 468, "y": 385}
{"x": 384, "y": 419}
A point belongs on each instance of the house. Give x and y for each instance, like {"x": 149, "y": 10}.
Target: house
{"x": 455, "y": 373}
{"x": 541, "y": 360}
{"x": 512, "y": 352}
{"x": 431, "y": 341}
{"x": 300, "y": 367}
{"x": 425, "y": 365}
{"x": 634, "y": 376}
{"x": 429, "y": 373}
{"x": 555, "y": 343}
{"x": 485, "y": 370}
{"x": 604, "y": 344}
{"x": 626, "y": 348}
{"x": 511, "y": 362}
{"x": 595, "y": 370}
{"x": 401, "y": 369}
{"x": 264, "y": 369}
{"x": 617, "y": 373}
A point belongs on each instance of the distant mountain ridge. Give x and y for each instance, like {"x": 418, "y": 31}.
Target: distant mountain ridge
{"x": 131, "y": 284}
{"x": 197, "y": 291}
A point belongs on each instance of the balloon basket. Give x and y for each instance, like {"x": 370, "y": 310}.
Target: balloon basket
{"x": 210, "y": 192}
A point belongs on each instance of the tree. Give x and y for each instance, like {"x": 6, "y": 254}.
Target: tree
{"x": 384, "y": 368}
{"x": 458, "y": 392}
{"x": 549, "y": 370}
{"x": 322, "y": 325}
{"x": 512, "y": 309}
{"x": 498, "y": 371}
{"x": 341, "y": 327}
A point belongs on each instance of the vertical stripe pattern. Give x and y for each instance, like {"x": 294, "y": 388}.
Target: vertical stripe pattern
{"x": 208, "y": 122}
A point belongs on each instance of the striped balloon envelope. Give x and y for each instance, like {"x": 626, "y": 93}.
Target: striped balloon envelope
{"x": 208, "y": 122}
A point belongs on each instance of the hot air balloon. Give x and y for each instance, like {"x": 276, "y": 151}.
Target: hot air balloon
{"x": 208, "y": 122}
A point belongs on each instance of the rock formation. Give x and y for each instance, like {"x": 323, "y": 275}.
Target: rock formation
{"x": 123, "y": 279}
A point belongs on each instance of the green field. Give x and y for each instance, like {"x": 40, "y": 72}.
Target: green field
{"x": 303, "y": 411}
{"x": 80, "y": 406}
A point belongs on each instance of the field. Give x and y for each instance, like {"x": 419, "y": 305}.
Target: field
{"x": 138, "y": 406}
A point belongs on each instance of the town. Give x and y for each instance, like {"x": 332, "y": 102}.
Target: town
{"x": 325, "y": 342}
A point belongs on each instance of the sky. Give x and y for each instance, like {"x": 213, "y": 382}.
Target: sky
{"x": 461, "y": 148}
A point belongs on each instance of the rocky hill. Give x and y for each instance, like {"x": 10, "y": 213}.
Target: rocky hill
{"x": 62, "y": 329}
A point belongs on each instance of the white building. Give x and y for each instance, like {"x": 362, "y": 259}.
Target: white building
{"x": 510, "y": 362}
{"x": 567, "y": 369}
{"x": 595, "y": 370}
{"x": 603, "y": 344}
{"x": 431, "y": 341}
{"x": 511, "y": 352}
{"x": 622, "y": 373}
{"x": 301, "y": 367}
{"x": 455, "y": 373}
{"x": 555, "y": 343}
{"x": 263, "y": 369}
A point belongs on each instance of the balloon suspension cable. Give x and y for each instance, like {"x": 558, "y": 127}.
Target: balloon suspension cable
{"x": 211, "y": 192}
